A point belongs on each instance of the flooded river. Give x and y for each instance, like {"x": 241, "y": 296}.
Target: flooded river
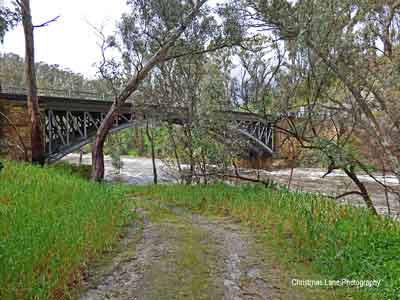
{"x": 337, "y": 183}
{"x": 140, "y": 171}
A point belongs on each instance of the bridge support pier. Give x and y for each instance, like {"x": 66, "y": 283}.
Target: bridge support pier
{"x": 14, "y": 127}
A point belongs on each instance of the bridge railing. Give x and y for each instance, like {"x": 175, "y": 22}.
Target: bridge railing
{"x": 70, "y": 94}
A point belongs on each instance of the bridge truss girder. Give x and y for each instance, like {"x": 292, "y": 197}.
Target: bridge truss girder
{"x": 66, "y": 131}
{"x": 258, "y": 132}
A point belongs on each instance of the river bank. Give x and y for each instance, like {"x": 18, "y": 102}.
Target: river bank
{"x": 139, "y": 170}
{"x": 214, "y": 241}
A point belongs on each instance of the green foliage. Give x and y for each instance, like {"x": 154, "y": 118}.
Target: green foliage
{"x": 133, "y": 152}
{"x": 339, "y": 241}
{"x": 51, "y": 223}
{"x": 160, "y": 141}
{"x": 330, "y": 151}
{"x": 124, "y": 143}
{"x": 150, "y": 22}
{"x": 8, "y": 19}
{"x": 82, "y": 171}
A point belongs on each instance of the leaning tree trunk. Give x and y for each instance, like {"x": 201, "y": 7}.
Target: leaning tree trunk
{"x": 98, "y": 146}
{"x": 30, "y": 77}
{"x": 363, "y": 190}
{"x": 131, "y": 87}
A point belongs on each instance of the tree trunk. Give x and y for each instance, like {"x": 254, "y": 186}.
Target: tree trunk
{"x": 132, "y": 85}
{"x": 30, "y": 77}
{"x": 178, "y": 162}
{"x": 189, "y": 148}
{"x": 138, "y": 140}
{"x": 204, "y": 167}
{"x": 153, "y": 155}
{"x": 98, "y": 145}
{"x": 80, "y": 156}
{"x": 364, "y": 193}
{"x": 141, "y": 148}
{"x": 382, "y": 136}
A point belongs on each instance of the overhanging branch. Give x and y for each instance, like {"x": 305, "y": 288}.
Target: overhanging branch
{"x": 46, "y": 23}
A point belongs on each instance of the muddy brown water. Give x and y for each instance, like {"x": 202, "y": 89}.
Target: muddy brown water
{"x": 337, "y": 183}
{"x": 139, "y": 171}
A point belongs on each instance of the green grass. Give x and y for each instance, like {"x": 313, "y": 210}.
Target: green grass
{"x": 336, "y": 242}
{"x": 52, "y": 222}
{"x": 83, "y": 171}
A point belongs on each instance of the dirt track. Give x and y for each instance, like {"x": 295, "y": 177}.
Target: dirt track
{"x": 173, "y": 254}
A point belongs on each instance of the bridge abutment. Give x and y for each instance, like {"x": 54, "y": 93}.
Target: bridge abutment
{"x": 15, "y": 131}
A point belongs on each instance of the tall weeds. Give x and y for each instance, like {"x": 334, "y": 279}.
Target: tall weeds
{"x": 51, "y": 223}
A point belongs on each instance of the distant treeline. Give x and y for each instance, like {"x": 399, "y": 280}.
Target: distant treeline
{"x": 48, "y": 76}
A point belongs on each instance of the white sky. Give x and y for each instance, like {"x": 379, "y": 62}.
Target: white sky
{"x": 69, "y": 42}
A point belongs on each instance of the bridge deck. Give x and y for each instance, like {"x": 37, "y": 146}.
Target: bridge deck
{"x": 62, "y": 103}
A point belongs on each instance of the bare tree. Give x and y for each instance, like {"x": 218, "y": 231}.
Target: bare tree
{"x": 30, "y": 77}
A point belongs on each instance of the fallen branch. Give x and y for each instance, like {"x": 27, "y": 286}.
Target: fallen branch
{"x": 238, "y": 176}
{"x": 268, "y": 183}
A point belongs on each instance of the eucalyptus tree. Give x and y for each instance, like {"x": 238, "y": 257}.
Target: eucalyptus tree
{"x": 30, "y": 79}
{"x": 340, "y": 62}
{"x": 198, "y": 84}
{"x": 12, "y": 69}
{"x": 148, "y": 33}
{"x": 23, "y": 12}
{"x": 9, "y": 17}
{"x": 358, "y": 43}
{"x": 193, "y": 85}
{"x": 154, "y": 32}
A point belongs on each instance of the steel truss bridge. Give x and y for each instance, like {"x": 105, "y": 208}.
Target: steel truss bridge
{"x": 71, "y": 119}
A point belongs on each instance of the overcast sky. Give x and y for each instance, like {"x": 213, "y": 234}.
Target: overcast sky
{"x": 69, "y": 42}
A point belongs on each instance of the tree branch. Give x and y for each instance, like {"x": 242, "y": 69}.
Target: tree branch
{"x": 46, "y": 23}
{"x": 349, "y": 193}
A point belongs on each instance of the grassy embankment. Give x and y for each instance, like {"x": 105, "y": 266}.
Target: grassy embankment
{"x": 52, "y": 221}
{"x": 335, "y": 242}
